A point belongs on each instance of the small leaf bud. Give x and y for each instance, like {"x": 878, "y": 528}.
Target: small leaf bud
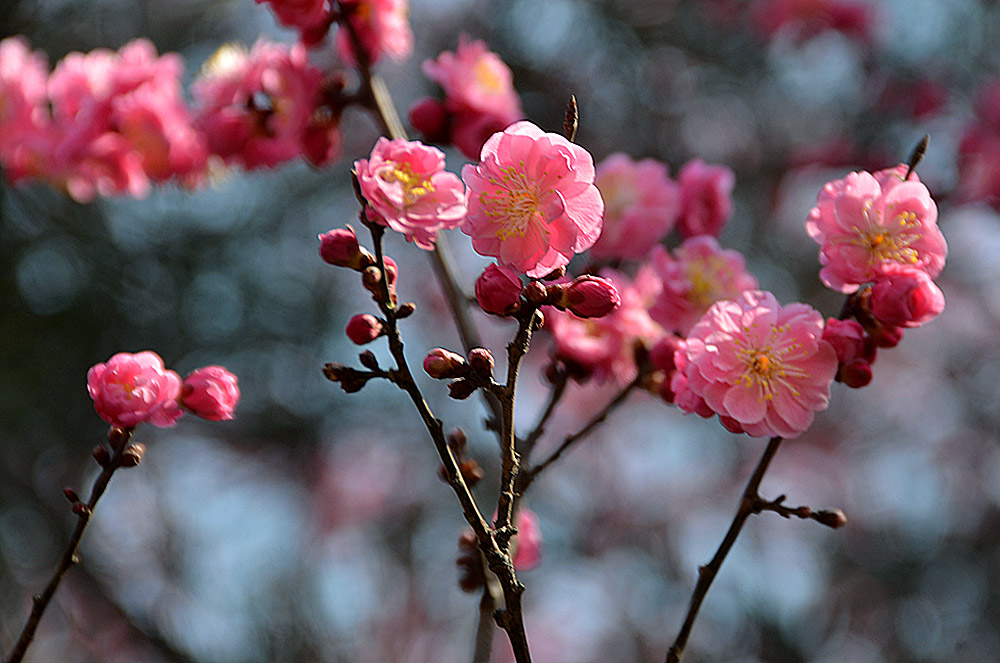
{"x": 481, "y": 362}
{"x": 461, "y": 389}
{"x": 368, "y": 360}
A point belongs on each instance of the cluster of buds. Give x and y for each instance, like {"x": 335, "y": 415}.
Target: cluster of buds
{"x": 499, "y": 292}
{"x": 466, "y": 375}
{"x": 340, "y": 248}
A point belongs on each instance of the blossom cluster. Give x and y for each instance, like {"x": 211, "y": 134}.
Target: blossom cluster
{"x": 105, "y": 123}
{"x": 130, "y": 389}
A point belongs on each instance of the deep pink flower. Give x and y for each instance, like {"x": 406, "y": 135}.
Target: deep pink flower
{"x": 605, "y": 346}
{"x": 364, "y": 328}
{"x": 641, "y": 205}
{"x": 306, "y": 15}
{"x": 706, "y": 198}
{"x": 527, "y": 543}
{"x": 531, "y": 200}
{"x": 474, "y": 78}
{"x": 680, "y": 391}
{"x": 26, "y": 139}
{"x": 764, "y": 365}
{"x": 866, "y": 221}
{"x": 134, "y": 388}
{"x": 498, "y": 290}
{"x": 807, "y": 18}
{"x": 410, "y": 191}
{"x": 261, "y": 108}
{"x": 382, "y": 26}
{"x": 698, "y": 274}
{"x": 905, "y": 297}
{"x": 211, "y": 392}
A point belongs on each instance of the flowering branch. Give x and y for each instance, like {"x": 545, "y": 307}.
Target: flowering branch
{"x": 123, "y": 455}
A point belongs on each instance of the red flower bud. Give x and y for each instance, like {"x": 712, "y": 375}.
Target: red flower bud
{"x": 591, "y": 296}
{"x": 430, "y": 117}
{"x": 211, "y": 393}
{"x": 443, "y": 364}
{"x": 905, "y": 297}
{"x": 847, "y": 338}
{"x": 339, "y": 247}
{"x": 481, "y": 362}
{"x": 364, "y": 328}
{"x": 498, "y": 290}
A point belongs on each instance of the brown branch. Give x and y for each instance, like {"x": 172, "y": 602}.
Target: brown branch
{"x": 39, "y": 602}
{"x": 706, "y": 574}
{"x": 529, "y": 475}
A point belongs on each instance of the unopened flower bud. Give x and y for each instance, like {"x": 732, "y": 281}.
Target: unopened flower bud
{"x": 350, "y": 380}
{"x": 498, "y": 290}
{"x": 133, "y": 455}
{"x": 536, "y": 293}
{"x": 461, "y": 389}
{"x": 481, "y": 362}
{"x": 887, "y": 336}
{"x": 472, "y": 473}
{"x": 591, "y": 296}
{"x": 102, "y": 455}
{"x": 457, "y": 441}
{"x": 117, "y": 437}
{"x": 211, "y": 392}
{"x": 391, "y": 270}
{"x": 405, "y": 310}
{"x": 368, "y": 360}
{"x": 731, "y": 425}
{"x": 80, "y": 509}
{"x": 855, "y": 374}
{"x": 430, "y": 117}
{"x": 71, "y": 495}
{"x": 443, "y": 364}
{"x": 371, "y": 278}
{"x": 834, "y": 518}
{"x": 662, "y": 354}
{"x": 469, "y": 562}
{"x": 339, "y": 247}
{"x": 555, "y": 274}
{"x": 905, "y": 297}
{"x": 364, "y": 328}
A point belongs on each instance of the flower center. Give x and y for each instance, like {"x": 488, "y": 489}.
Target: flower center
{"x": 890, "y": 242}
{"x": 513, "y": 204}
{"x": 488, "y": 77}
{"x": 765, "y": 360}
{"x": 414, "y": 186}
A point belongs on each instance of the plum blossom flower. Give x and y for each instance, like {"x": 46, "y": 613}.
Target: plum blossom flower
{"x": 762, "y": 367}
{"x": 410, "y": 191}
{"x": 382, "y": 26}
{"x": 479, "y": 97}
{"x": 531, "y": 200}
{"x": 130, "y": 389}
{"x": 641, "y": 205}
{"x": 25, "y": 124}
{"x": 306, "y": 15}
{"x": 706, "y": 198}
{"x": 211, "y": 392}
{"x": 698, "y": 274}
{"x": 605, "y": 347}
{"x": 527, "y": 543}
{"x": 866, "y": 221}
{"x": 265, "y": 107}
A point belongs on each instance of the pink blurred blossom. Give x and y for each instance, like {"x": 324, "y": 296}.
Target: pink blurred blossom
{"x": 641, "y": 205}
{"x": 979, "y": 150}
{"x": 807, "y": 18}
{"x": 211, "y": 392}
{"x": 761, "y": 364}
{"x": 306, "y": 15}
{"x": 25, "y": 124}
{"x": 480, "y": 99}
{"x": 410, "y": 191}
{"x": 698, "y": 274}
{"x": 865, "y": 221}
{"x": 259, "y": 109}
{"x": 531, "y": 200}
{"x": 527, "y": 543}
{"x": 605, "y": 346}
{"x": 130, "y": 389}
{"x": 382, "y": 26}
{"x": 706, "y": 198}
{"x": 905, "y": 297}
{"x": 498, "y": 290}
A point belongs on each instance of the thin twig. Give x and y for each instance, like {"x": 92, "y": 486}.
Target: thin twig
{"x": 69, "y": 558}
{"x": 707, "y": 573}
{"x": 485, "y": 624}
{"x": 555, "y": 395}
{"x": 529, "y": 475}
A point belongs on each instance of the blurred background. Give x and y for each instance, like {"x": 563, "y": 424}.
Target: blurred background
{"x": 313, "y": 527}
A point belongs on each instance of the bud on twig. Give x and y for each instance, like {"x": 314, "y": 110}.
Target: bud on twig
{"x": 834, "y": 518}
{"x": 461, "y": 389}
{"x": 481, "y": 362}
{"x": 368, "y": 360}
{"x": 133, "y": 455}
{"x": 102, "y": 455}
{"x": 71, "y": 495}
{"x": 405, "y": 310}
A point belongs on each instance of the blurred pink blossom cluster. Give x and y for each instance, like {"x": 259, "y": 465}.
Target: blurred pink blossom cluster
{"x": 479, "y": 98}
{"x": 106, "y": 123}
{"x": 102, "y": 123}
{"x": 979, "y": 150}
{"x": 808, "y": 18}
{"x": 130, "y": 389}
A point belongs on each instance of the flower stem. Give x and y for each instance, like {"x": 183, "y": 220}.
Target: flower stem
{"x": 40, "y": 602}
{"x": 749, "y": 502}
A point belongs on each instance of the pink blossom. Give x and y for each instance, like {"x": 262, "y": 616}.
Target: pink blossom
{"x": 265, "y": 107}
{"x": 681, "y": 393}
{"x": 364, "y": 328}
{"x": 133, "y": 388}
{"x": 410, "y": 191}
{"x": 25, "y": 124}
{"x": 808, "y": 18}
{"x": 763, "y": 365}
{"x": 306, "y": 15}
{"x": 698, "y": 274}
{"x": 866, "y": 221}
{"x": 605, "y": 346}
{"x": 905, "y": 297}
{"x": 706, "y": 201}
{"x": 211, "y": 392}
{"x": 531, "y": 200}
{"x": 641, "y": 205}
{"x": 382, "y": 26}
{"x": 527, "y": 543}
{"x": 498, "y": 290}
